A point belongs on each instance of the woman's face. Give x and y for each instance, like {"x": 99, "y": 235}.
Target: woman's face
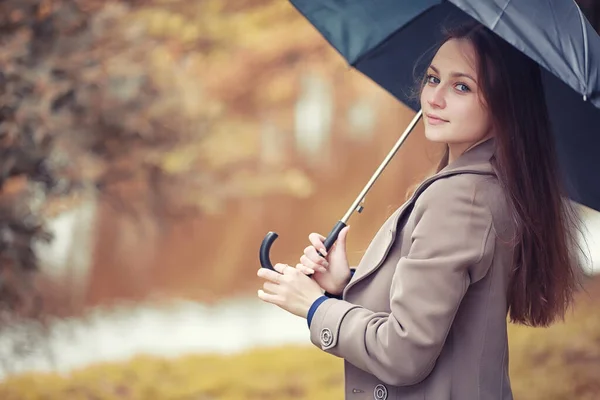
{"x": 453, "y": 106}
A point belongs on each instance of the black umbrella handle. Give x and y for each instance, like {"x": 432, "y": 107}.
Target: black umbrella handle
{"x": 265, "y": 247}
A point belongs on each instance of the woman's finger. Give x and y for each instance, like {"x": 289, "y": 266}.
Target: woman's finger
{"x": 304, "y": 269}
{"x": 317, "y": 241}
{"x": 311, "y": 264}
{"x": 269, "y": 298}
{"x": 312, "y": 255}
{"x": 271, "y": 287}
{"x": 340, "y": 243}
{"x": 280, "y": 267}
{"x": 269, "y": 275}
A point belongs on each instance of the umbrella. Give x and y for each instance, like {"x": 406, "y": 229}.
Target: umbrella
{"x": 386, "y": 41}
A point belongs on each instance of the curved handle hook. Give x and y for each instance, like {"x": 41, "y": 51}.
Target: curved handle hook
{"x": 265, "y": 247}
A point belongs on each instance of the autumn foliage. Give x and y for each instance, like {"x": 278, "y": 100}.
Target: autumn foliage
{"x": 134, "y": 103}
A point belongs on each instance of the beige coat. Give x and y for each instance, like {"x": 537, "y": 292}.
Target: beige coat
{"x": 424, "y": 316}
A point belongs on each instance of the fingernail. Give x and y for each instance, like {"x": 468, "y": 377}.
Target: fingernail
{"x": 324, "y": 263}
{"x": 323, "y": 251}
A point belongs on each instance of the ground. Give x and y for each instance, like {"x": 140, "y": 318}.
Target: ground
{"x": 557, "y": 363}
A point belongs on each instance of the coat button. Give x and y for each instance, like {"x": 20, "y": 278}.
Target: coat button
{"x": 380, "y": 392}
{"x": 326, "y": 337}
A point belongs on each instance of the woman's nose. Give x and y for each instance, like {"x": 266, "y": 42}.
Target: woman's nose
{"x": 436, "y": 98}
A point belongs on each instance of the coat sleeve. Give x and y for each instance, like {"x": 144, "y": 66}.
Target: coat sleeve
{"x": 449, "y": 244}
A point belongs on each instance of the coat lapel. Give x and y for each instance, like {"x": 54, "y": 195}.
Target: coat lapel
{"x": 474, "y": 161}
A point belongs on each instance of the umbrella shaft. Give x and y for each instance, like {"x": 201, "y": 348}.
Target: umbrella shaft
{"x": 379, "y": 170}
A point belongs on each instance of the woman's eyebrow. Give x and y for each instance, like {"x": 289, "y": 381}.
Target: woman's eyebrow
{"x": 454, "y": 74}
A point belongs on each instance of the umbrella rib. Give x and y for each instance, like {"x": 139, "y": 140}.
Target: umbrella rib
{"x": 585, "y": 51}
{"x": 493, "y": 26}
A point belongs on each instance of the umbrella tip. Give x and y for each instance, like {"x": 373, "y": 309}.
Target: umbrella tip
{"x": 584, "y": 97}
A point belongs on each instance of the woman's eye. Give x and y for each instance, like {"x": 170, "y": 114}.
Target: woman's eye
{"x": 432, "y": 79}
{"x": 462, "y": 87}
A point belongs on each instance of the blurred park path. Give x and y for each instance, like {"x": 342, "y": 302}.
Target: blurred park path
{"x": 168, "y": 330}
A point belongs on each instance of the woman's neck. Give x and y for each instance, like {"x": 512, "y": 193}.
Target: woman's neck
{"x": 455, "y": 151}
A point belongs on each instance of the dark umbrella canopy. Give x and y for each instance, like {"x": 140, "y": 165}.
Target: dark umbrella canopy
{"x": 392, "y": 42}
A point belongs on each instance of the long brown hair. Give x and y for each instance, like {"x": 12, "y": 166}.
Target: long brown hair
{"x": 546, "y": 268}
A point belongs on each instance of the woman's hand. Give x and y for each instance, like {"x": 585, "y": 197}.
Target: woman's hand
{"x": 332, "y": 273}
{"x": 289, "y": 289}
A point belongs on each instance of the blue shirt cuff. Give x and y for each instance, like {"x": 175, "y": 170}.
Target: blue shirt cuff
{"x": 313, "y": 308}
{"x": 317, "y": 302}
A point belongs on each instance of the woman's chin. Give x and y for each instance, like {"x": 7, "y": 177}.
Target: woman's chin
{"x": 435, "y": 136}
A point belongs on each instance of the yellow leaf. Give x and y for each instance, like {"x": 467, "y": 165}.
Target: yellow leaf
{"x": 179, "y": 160}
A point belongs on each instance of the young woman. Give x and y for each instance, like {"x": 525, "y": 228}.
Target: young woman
{"x": 424, "y": 316}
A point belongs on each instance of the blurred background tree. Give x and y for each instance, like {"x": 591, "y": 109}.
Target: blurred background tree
{"x": 100, "y": 99}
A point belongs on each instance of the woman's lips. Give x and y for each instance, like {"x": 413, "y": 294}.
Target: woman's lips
{"x": 432, "y": 120}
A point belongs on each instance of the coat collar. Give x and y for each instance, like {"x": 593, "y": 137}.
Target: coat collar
{"x": 476, "y": 158}
{"x": 476, "y": 161}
